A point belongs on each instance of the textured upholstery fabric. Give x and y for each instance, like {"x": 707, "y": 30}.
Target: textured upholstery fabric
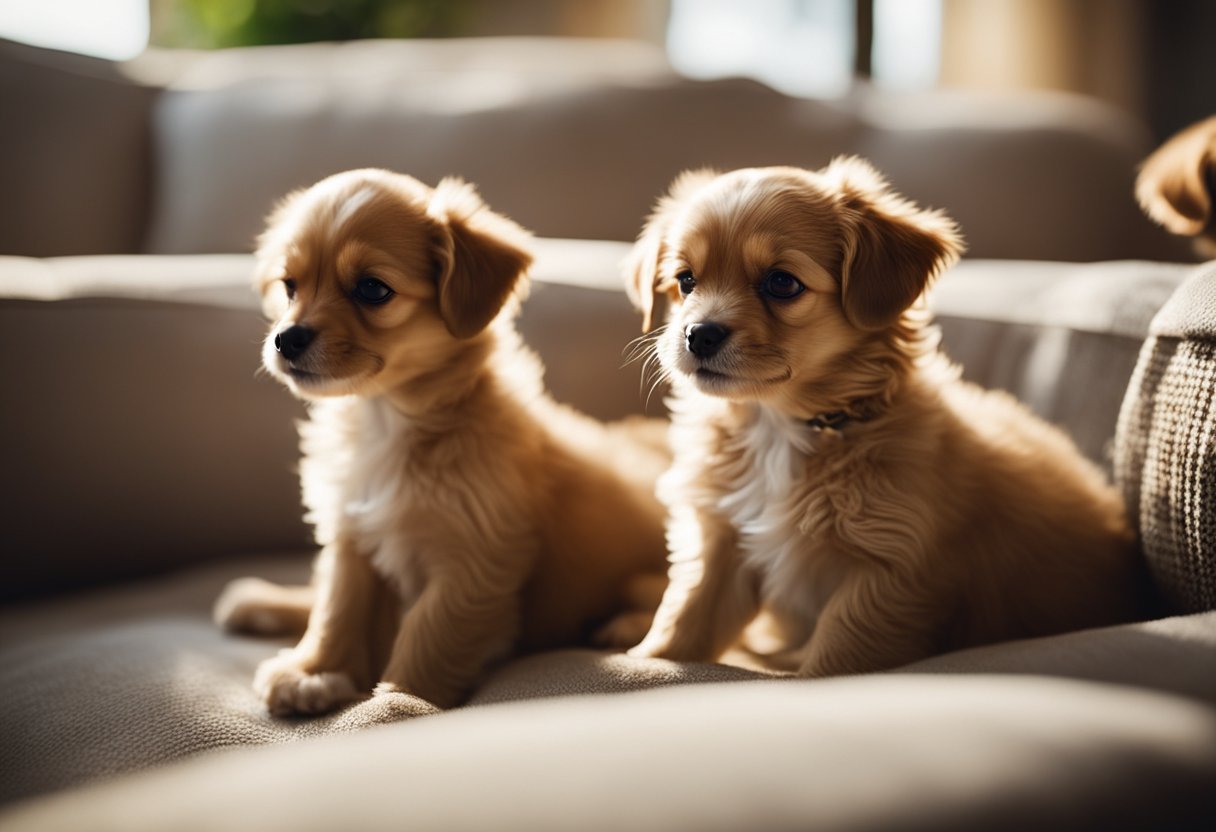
{"x": 153, "y": 680}
{"x": 890, "y": 753}
{"x": 121, "y": 680}
{"x": 1166, "y": 450}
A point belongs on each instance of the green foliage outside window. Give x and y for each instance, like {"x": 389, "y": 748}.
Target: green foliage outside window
{"x": 221, "y": 23}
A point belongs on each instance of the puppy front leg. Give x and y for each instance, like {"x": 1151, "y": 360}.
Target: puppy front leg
{"x": 710, "y": 597}
{"x": 447, "y": 638}
{"x": 875, "y": 621}
{"x": 330, "y": 665}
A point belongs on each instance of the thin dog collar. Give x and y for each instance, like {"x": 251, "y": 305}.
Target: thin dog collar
{"x": 829, "y": 421}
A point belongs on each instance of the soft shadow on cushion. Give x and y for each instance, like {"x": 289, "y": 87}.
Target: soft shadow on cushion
{"x": 1173, "y": 655}
{"x": 580, "y": 672}
{"x": 120, "y": 680}
{"x": 865, "y": 753}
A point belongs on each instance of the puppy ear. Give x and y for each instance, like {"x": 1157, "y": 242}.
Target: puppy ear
{"x": 642, "y": 280}
{"x": 892, "y": 248}
{"x": 270, "y": 254}
{"x": 1176, "y": 183}
{"x": 481, "y": 256}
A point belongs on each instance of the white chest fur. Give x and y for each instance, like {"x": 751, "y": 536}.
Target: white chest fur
{"x": 767, "y": 502}
{"x": 357, "y": 484}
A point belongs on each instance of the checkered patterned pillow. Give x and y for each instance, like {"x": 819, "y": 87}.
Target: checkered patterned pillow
{"x": 1165, "y": 452}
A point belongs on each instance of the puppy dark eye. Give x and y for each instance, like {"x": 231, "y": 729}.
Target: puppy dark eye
{"x": 687, "y": 282}
{"x": 372, "y": 291}
{"x": 781, "y": 285}
{"x": 290, "y": 286}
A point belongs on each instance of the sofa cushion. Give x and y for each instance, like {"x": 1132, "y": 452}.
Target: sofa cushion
{"x": 571, "y": 152}
{"x": 1061, "y": 337}
{"x": 75, "y": 154}
{"x": 892, "y": 751}
{"x": 120, "y": 680}
{"x": 1166, "y": 450}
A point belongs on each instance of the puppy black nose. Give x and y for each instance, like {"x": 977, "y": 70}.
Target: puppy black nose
{"x": 706, "y": 339}
{"x": 292, "y": 341}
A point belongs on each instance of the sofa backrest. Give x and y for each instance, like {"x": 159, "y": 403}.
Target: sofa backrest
{"x": 1061, "y": 337}
{"x": 583, "y": 154}
{"x": 75, "y": 154}
{"x": 570, "y": 138}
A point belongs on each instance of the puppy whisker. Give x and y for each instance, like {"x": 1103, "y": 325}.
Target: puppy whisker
{"x": 660, "y": 376}
{"x": 644, "y": 348}
{"x": 642, "y": 345}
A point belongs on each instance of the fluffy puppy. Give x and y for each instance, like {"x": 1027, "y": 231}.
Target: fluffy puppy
{"x": 1177, "y": 185}
{"x": 463, "y": 514}
{"x": 831, "y": 469}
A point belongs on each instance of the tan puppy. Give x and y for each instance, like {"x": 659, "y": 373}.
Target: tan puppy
{"x": 463, "y": 514}
{"x": 1177, "y": 185}
{"x": 830, "y": 467}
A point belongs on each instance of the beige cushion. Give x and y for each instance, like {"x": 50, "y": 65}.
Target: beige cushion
{"x": 120, "y": 681}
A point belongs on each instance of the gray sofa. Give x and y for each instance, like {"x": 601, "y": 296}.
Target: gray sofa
{"x": 145, "y": 462}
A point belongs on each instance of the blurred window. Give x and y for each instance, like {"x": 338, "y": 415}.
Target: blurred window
{"x": 805, "y": 47}
{"x": 116, "y": 29}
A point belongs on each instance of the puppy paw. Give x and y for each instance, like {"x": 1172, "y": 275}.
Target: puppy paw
{"x": 288, "y": 689}
{"x": 673, "y": 646}
{"x": 624, "y": 630}
{"x": 257, "y": 607}
{"x": 388, "y": 689}
{"x": 651, "y": 648}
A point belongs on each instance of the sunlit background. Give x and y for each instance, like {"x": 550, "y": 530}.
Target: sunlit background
{"x": 115, "y": 29}
{"x": 802, "y": 47}
{"x": 1150, "y": 58}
